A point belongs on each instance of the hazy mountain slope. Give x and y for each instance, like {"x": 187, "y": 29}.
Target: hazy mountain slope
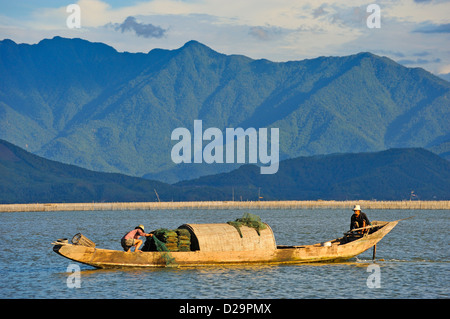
{"x": 27, "y": 178}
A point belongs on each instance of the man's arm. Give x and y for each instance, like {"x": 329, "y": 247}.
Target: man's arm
{"x": 141, "y": 233}
{"x": 367, "y": 221}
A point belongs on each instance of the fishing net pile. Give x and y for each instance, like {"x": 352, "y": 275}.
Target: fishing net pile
{"x": 249, "y": 220}
{"x": 173, "y": 240}
{"x": 184, "y": 240}
{"x": 166, "y": 241}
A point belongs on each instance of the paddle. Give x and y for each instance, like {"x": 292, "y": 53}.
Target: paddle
{"x": 374, "y": 252}
{"x": 361, "y": 228}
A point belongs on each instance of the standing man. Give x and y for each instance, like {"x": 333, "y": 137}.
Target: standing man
{"x": 358, "y": 219}
{"x": 131, "y": 239}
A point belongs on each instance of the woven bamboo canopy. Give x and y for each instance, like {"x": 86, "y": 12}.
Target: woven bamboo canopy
{"x": 225, "y": 237}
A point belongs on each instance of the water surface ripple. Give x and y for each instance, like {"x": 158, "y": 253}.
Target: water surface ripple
{"x": 413, "y": 258}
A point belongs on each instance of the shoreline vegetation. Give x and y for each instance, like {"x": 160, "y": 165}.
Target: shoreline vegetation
{"x": 310, "y": 204}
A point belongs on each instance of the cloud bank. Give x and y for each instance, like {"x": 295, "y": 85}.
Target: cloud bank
{"x": 433, "y": 28}
{"x": 278, "y": 30}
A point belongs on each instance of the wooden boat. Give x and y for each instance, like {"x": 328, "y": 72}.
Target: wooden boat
{"x": 221, "y": 244}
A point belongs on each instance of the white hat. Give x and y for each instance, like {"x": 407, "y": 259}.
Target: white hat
{"x": 357, "y": 207}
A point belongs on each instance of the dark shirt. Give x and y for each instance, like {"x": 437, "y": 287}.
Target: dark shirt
{"x": 362, "y": 217}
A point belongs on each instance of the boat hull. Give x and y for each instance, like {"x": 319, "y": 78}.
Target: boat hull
{"x": 334, "y": 252}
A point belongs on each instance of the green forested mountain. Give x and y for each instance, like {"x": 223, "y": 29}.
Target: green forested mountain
{"x": 86, "y": 104}
{"x": 392, "y": 174}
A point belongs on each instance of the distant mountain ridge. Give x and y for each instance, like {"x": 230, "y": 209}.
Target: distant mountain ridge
{"x": 391, "y": 175}
{"x": 86, "y": 104}
{"x": 394, "y": 174}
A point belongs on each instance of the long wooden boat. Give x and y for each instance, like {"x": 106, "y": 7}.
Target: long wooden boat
{"x": 221, "y": 244}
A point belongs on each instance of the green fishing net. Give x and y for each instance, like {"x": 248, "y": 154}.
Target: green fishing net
{"x": 168, "y": 240}
{"x": 184, "y": 239}
{"x": 249, "y": 220}
{"x": 173, "y": 239}
{"x": 161, "y": 247}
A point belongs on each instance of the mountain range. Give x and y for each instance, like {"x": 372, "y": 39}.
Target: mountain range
{"x": 394, "y": 174}
{"x": 390, "y": 175}
{"x": 84, "y": 103}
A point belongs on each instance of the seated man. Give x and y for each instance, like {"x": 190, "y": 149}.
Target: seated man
{"x": 131, "y": 239}
{"x": 358, "y": 219}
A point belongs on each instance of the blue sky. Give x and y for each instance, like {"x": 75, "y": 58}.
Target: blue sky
{"x": 415, "y": 33}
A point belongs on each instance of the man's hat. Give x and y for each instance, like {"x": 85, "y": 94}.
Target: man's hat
{"x": 357, "y": 207}
{"x": 141, "y": 227}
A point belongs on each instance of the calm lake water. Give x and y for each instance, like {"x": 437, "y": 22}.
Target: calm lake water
{"x": 415, "y": 257}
